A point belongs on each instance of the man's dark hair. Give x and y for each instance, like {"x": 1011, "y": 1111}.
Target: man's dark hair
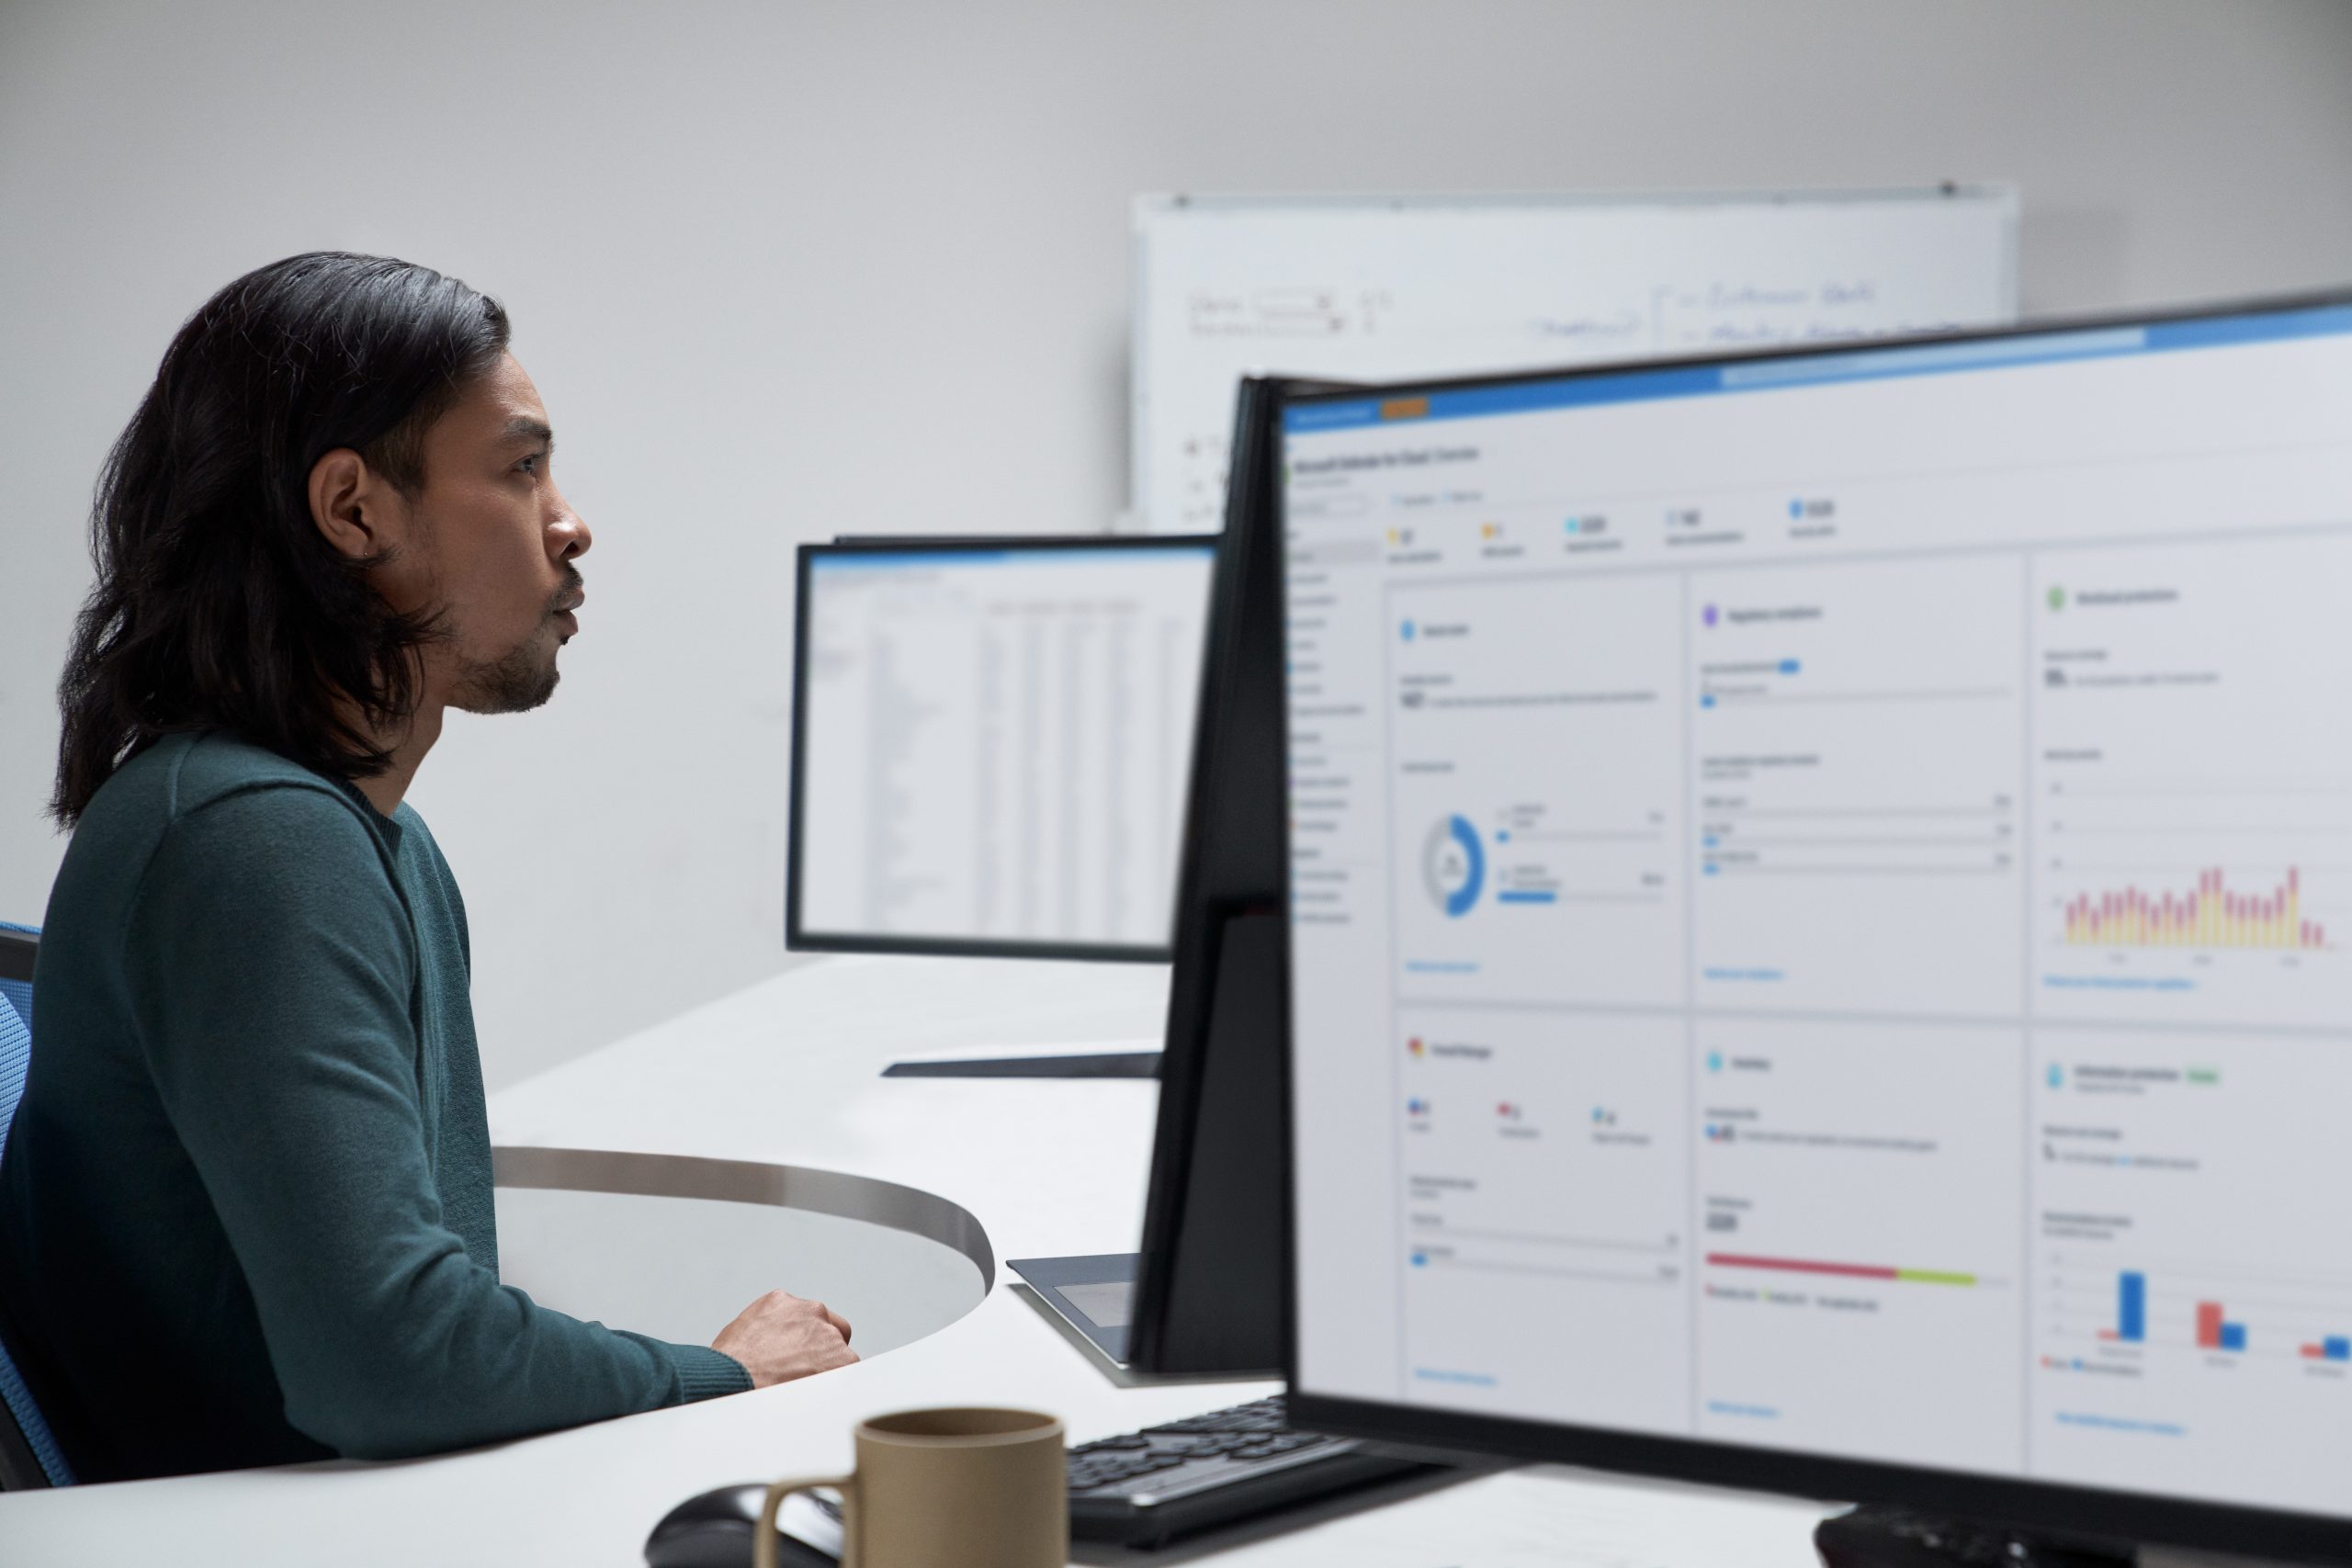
{"x": 218, "y": 604}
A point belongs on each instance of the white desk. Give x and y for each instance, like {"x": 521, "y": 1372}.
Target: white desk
{"x": 782, "y": 1076}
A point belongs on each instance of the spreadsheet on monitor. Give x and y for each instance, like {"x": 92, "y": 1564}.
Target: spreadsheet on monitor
{"x": 994, "y": 742}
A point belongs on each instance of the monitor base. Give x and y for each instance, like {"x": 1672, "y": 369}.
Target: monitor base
{"x": 1879, "y": 1536}
{"x": 1082, "y": 1065}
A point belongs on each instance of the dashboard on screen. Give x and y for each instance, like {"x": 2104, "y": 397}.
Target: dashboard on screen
{"x": 991, "y": 744}
{"x": 1821, "y": 903}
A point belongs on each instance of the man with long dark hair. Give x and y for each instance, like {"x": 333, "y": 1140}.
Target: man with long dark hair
{"x": 245, "y": 1210}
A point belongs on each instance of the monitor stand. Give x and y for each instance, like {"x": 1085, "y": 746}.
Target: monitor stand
{"x": 1880, "y": 1536}
{"x": 1082, "y": 1065}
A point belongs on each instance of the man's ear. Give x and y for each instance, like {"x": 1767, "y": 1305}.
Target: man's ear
{"x": 347, "y": 504}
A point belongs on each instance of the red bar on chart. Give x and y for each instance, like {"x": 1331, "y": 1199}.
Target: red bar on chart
{"x": 2208, "y": 1324}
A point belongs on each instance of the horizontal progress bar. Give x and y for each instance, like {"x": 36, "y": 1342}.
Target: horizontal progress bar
{"x": 1846, "y": 1270}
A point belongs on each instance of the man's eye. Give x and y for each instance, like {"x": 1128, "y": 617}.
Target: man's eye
{"x": 530, "y": 465}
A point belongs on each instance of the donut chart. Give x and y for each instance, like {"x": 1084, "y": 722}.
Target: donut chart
{"x": 1454, "y": 866}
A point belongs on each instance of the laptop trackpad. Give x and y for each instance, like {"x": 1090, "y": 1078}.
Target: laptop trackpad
{"x": 1094, "y": 1295}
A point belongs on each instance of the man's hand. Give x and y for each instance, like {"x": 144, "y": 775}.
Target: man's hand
{"x": 780, "y": 1337}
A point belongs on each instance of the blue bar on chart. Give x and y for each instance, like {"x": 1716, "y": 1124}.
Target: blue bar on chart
{"x": 2132, "y": 1307}
{"x": 2233, "y": 1337}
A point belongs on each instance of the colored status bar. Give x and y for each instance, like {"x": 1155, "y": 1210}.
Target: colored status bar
{"x": 1846, "y": 1271}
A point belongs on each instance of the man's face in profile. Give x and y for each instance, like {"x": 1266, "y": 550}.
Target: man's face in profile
{"x": 491, "y": 546}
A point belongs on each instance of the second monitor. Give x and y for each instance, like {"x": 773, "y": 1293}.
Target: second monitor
{"x": 990, "y": 744}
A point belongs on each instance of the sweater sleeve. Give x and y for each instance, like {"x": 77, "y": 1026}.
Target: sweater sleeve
{"x": 272, "y": 989}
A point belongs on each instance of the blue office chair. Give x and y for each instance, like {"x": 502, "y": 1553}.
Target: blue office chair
{"x": 30, "y": 1456}
{"x": 17, "y": 945}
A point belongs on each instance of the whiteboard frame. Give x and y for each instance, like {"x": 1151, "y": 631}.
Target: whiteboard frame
{"x": 1151, "y": 207}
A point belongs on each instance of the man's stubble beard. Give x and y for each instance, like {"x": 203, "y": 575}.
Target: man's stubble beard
{"x": 517, "y": 682}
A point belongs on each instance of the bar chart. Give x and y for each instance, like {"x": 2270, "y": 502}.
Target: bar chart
{"x": 2191, "y": 834}
{"x": 2210, "y": 915}
{"x": 2199, "y": 1311}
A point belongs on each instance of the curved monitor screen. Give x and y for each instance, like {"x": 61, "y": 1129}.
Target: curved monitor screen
{"x": 991, "y": 743}
{"x": 1821, "y": 903}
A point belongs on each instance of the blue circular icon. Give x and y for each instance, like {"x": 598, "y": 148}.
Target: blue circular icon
{"x": 1407, "y": 630}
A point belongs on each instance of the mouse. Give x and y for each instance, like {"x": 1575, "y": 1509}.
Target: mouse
{"x": 1881, "y": 1536}
{"x": 713, "y": 1529}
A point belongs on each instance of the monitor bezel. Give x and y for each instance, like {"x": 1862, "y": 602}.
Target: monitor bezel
{"x": 1159, "y": 1341}
{"x": 2018, "y": 1502}
{"x": 798, "y": 937}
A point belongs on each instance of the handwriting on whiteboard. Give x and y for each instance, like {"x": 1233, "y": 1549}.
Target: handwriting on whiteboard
{"x": 1674, "y": 318}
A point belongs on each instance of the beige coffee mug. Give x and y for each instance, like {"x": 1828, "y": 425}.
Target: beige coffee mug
{"x": 947, "y": 1489}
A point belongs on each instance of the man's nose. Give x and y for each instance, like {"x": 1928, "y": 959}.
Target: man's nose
{"x": 568, "y": 536}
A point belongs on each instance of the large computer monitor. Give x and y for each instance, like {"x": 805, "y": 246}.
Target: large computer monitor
{"x": 990, "y": 744}
{"x": 1821, "y": 921}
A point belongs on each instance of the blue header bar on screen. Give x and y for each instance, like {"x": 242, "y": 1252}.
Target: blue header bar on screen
{"x": 1818, "y": 369}
{"x": 1139, "y": 552}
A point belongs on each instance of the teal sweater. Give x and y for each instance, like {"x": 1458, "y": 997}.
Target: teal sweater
{"x": 245, "y": 1205}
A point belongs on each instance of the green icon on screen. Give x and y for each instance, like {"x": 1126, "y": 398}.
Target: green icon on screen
{"x": 2057, "y": 598}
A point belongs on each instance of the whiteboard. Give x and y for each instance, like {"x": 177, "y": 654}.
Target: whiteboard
{"x": 1376, "y": 288}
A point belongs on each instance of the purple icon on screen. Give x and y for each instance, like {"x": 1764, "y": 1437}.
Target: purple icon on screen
{"x": 1708, "y": 614}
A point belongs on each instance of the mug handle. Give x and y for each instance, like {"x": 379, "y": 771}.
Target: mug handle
{"x": 764, "y": 1552}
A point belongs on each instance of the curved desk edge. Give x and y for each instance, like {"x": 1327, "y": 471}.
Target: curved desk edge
{"x": 864, "y": 1198}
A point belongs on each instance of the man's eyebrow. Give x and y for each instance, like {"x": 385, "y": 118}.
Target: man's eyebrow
{"x": 523, "y": 427}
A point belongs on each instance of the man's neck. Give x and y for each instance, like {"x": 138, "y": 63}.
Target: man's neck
{"x": 408, "y": 746}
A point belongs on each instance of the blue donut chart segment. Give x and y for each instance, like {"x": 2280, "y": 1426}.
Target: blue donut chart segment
{"x": 1456, "y": 866}
{"x": 1467, "y": 894}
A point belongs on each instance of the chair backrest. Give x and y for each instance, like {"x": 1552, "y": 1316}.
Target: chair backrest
{"x": 30, "y": 1456}
{"x": 18, "y": 946}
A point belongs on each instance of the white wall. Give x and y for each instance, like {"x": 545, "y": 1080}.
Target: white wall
{"x": 787, "y": 270}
